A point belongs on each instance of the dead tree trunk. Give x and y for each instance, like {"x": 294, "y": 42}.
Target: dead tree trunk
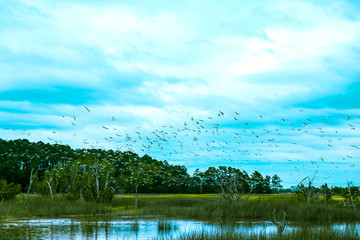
{"x": 31, "y": 180}
{"x": 50, "y": 188}
{"x": 350, "y": 195}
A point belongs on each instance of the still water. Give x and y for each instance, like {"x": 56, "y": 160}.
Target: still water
{"x": 130, "y": 228}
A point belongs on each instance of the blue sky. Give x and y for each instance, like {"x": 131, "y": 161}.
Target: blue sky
{"x": 284, "y": 73}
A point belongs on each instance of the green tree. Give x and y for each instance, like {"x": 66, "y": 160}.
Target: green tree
{"x": 276, "y": 183}
{"x": 326, "y": 192}
{"x": 8, "y": 190}
{"x": 259, "y": 184}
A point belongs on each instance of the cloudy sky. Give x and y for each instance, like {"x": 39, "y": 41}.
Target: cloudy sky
{"x": 271, "y": 86}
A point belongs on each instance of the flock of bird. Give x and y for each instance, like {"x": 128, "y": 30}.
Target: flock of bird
{"x": 233, "y": 138}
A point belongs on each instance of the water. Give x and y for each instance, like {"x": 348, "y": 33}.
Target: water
{"x": 129, "y": 228}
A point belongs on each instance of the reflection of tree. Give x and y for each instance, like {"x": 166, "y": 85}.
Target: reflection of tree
{"x": 280, "y": 225}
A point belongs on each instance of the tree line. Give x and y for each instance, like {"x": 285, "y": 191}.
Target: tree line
{"x": 96, "y": 174}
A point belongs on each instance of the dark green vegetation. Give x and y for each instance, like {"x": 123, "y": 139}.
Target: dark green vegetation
{"x": 260, "y": 207}
{"x": 41, "y": 206}
{"x": 85, "y": 181}
{"x": 313, "y": 234}
{"x": 256, "y": 207}
{"x": 96, "y": 174}
{"x": 8, "y": 190}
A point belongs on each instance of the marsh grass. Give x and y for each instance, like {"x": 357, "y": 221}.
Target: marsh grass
{"x": 303, "y": 234}
{"x": 190, "y": 206}
{"x": 256, "y": 207}
{"x": 171, "y": 195}
{"x": 40, "y": 206}
{"x": 166, "y": 226}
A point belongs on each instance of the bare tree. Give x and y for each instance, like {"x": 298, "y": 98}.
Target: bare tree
{"x": 326, "y": 192}
{"x": 350, "y": 195}
{"x": 307, "y": 188}
{"x": 48, "y": 179}
{"x": 31, "y": 180}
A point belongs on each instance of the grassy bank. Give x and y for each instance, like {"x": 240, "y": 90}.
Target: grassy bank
{"x": 40, "y": 206}
{"x": 328, "y": 234}
{"x": 192, "y": 206}
{"x": 251, "y": 207}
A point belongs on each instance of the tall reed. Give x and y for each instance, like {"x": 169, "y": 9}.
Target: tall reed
{"x": 40, "y": 206}
{"x": 314, "y": 234}
{"x": 211, "y": 208}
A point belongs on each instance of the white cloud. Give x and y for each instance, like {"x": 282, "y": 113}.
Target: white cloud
{"x": 255, "y": 58}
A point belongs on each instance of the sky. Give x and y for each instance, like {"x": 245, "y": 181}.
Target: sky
{"x": 270, "y": 86}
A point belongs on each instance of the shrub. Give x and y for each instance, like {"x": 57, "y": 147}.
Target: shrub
{"x": 8, "y": 190}
{"x": 107, "y": 195}
{"x": 70, "y": 196}
{"x": 87, "y": 195}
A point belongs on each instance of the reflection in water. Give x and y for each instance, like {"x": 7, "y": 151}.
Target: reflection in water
{"x": 166, "y": 226}
{"x": 135, "y": 226}
{"x": 126, "y": 228}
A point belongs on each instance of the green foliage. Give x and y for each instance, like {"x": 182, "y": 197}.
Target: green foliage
{"x": 232, "y": 182}
{"x": 59, "y": 169}
{"x": 87, "y": 195}
{"x": 276, "y": 183}
{"x": 107, "y": 195}
{"x": 259, "y": 184}
{"x": 41, "y": 206}
{"x": 8, "y": 190}
{"x": 326, "y": 192}
{"x": 70, "y": 197}
{"x": 42, "y": 188}
{"x": 86, "y": 173}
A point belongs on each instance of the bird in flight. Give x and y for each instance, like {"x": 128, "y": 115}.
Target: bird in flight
{"x": 87, "y": 109}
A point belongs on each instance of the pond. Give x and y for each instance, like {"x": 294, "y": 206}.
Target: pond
{"x": 130, "y": 228}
